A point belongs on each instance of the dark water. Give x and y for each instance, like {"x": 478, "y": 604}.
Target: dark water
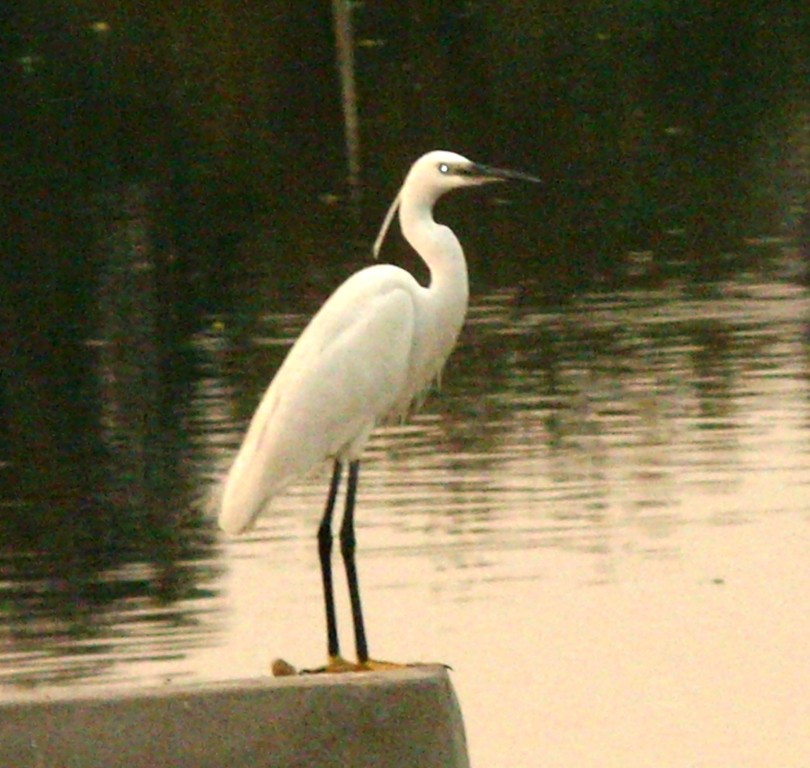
{"x": 602, "y": 519}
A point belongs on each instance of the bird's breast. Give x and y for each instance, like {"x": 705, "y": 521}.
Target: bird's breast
{"x": 437, "y": 327}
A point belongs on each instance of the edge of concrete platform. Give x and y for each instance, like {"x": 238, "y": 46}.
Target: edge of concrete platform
{"x": 407, "y": 717}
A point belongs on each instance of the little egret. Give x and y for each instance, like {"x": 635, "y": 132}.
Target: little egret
{"x": 367, "y": 355}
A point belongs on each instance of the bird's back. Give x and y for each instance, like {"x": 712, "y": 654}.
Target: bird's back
{"x": 347, "y": 370}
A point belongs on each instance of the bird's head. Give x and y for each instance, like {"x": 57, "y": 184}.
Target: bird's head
{"x": 440, "y": 171}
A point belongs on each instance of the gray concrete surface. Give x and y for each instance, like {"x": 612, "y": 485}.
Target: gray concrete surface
{"x": 406, "y": 717}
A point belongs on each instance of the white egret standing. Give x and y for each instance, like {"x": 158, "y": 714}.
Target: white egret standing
{"x": 377, "y": 343}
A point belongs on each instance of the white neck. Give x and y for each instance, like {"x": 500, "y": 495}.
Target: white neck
{"x": 435, "y": 243}
{"x": 444, "y": 302}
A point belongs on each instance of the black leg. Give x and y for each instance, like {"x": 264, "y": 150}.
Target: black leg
{"x": 325, "y": 554}
{"x": 347, "y": 547}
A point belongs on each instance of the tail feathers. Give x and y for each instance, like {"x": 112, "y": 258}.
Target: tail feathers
{"x": 246, "y": 495}
{"x": 255, "y": 478}
{"x": 238, "y": 514}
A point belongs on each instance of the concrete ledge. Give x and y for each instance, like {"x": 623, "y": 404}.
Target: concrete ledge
{"x": 406, "y": 717}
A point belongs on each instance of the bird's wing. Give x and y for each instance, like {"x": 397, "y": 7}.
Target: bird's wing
{"x": 345, "y": 372}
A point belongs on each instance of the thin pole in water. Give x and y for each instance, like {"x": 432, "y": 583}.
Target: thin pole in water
{"x": 344, "y": 42}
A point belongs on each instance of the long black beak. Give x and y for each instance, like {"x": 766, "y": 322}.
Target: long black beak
{"x": 487, "y": 173}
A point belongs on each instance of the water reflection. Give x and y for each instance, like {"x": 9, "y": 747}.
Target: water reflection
{"x": 605, "y": 425}
{"x": 614, "y": 409}
{"x": 106, "y": 558}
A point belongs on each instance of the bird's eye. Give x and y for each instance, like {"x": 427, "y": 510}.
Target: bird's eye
{"x": 444, "y": 168}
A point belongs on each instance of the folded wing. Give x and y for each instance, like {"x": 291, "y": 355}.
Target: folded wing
{"x": 346, "y": 371}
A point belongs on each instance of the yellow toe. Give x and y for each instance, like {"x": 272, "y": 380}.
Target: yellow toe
{"x": 338, "y": 665}
{"x": 376, "y": 665}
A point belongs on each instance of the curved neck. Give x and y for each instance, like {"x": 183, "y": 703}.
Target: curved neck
{"x": 442, "y": 305}
{"x": 435, "y": 243}
{"x": 444, "y": 301}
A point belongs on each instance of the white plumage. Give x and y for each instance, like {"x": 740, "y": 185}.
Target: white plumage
{"x": 372, "y": 348}
{"x": 375, "y": 345}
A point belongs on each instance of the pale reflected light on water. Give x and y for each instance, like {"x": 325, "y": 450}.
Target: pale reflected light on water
{"x": 601, "y": 523}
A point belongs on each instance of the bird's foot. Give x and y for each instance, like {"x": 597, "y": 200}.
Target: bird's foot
{"x": 376, "y": 665}
{"x": 338, "y": 665}
{"x": 335, "y": 666}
